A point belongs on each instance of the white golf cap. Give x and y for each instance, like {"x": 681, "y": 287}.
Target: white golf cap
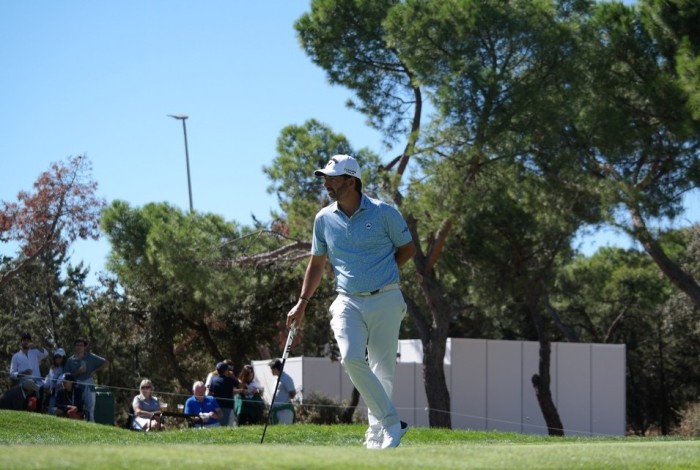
{"x": 340, "y": 165}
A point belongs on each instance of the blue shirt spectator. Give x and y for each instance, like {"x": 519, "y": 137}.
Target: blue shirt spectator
{"x": 204, "y": 406}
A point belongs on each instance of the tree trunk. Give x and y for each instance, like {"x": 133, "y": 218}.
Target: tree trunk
{"x": 346, "y": 416}
{"x": 439, "y": 414}
{"x": 171, "y": 360}
{"x": 433, "y": 336}
{"x": 542, "y": 381}
{"x": 678, "y": 277}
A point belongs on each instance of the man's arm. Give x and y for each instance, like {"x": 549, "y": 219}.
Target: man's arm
{"x": 14, "y": 367}
{"x": 312, "y": 279}
{"x": 404, "y": 253}
{"x": 105, "y": 363}
{"x": 15, "y": 373}
{"x": 289, "y": 385}
{"x": 42, "y": 352}
{"x": 216, "y": 413}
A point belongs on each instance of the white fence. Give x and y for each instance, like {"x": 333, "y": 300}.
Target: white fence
{"x": 490, "y": 385}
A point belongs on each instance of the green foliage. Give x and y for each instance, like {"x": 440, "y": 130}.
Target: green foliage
{"x": 642, "y": 137}
{"x": 347, "y": 40}
{"x": 194, "y": 294}
{"x": 619, "y": 296}
{"x": 300, "y": 151}
{"x": 319, "y": 409}
{"x": 690, "y": 421}
{"x": 674, "y": 25}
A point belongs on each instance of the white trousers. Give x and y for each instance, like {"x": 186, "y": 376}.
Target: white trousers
{"x": 370, "y": 323}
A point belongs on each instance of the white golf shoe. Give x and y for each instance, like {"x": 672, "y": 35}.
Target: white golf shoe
{"x": 393, "y": 434}
{"x": 373, "y": 437}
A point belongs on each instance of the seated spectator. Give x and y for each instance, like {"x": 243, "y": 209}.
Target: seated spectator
{"x": 52, "y": 383}
{"x": 69, "y": 400}
{"x": 205, "y": 407}
{"x": 249, "y": 404}
{"x": 222, "y": 387}
{"x": 146, "y": 409}
{"x": 20, "y": 397}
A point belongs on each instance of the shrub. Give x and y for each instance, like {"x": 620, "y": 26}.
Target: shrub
{"x": 690, "y": 421}
{"x": 319, "y": 409}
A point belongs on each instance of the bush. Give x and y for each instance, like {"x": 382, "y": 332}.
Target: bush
{"x": 690, "y": 421}
{"x": 319, "y": 409}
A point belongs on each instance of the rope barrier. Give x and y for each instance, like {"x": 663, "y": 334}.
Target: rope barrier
{"x": 363, "y": 408}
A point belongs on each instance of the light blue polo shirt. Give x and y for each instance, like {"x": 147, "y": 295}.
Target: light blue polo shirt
{"x": 361, "y": 248}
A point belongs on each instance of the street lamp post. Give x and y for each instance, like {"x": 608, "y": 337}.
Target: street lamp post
{"x": 183, "y": 118}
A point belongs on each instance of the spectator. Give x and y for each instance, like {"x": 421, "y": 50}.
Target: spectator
{"x": 146, "y": 409}
{"x": 204, "y": 406}
{"x": 52, "y": 383}
{"x": 283, "y": 409}
{"x": 249, "y": 404}
{"x": 20, "y": 397}
{"x": 222, "y": 387}
{"x": 69, "y": 399}
{"x": 25, "y": 362}
{"x": 215, "y": 372}
{"x": 83, "y": 365}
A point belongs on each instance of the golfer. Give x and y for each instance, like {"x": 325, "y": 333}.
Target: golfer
{"x": 366, "y": 242}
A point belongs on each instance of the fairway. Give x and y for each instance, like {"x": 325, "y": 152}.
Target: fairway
{"x": 37, "y": 441}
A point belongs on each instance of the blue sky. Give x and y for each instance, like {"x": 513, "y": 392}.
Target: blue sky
{"x": 100, "y": 78}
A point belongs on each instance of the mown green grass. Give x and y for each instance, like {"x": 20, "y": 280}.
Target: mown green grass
{"x": 30, "y": 440}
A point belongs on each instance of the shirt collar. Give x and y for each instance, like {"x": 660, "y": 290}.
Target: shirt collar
{"x": 364, "y": 203}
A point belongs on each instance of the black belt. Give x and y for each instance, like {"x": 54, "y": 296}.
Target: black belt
{"x": 387, "y": 287}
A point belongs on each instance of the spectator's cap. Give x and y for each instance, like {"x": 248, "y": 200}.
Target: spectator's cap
{"x": 340, "y": 165}
{"x": 222, "y": 367}
{"x": 275, "y": 364}
{"x": 59, "y": 352}
{"x": 67, "y": 377}
{"x": 29, "y": 385}
{"x": 26, "y": 335}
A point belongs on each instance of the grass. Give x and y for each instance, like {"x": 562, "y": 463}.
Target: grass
{"x": 29, "y": 440}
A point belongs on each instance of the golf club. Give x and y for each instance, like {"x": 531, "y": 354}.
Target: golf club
{"x": 285, "y": 353}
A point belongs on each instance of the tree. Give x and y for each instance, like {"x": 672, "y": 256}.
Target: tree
{"x": 347, "y": 39}
{"x": 195, "y": 309}
{"x": 636, "y": 124}
{"x": 62, "y": 208}
{"x": 300, "y": 151}
{"x": 494, "y": 72}
{"x": 674, "y": 24}
{"x": 512, "y": 233}
{"x": 500, "y": 74}
{"x": 620, "y": 296}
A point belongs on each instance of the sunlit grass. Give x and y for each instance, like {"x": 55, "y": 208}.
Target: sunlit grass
{"x": 30, "y": 440}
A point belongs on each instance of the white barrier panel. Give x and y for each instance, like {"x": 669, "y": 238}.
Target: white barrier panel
{"x": 490, "y": 384}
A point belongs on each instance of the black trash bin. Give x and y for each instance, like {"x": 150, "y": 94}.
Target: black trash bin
{"x": 104, "y": 406}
